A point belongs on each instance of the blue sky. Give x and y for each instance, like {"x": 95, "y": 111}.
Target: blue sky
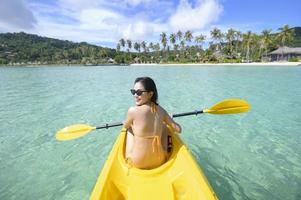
{"x": 104, "y": 22}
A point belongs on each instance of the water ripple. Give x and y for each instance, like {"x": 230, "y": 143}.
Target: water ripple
{"x": 249, "y": 156}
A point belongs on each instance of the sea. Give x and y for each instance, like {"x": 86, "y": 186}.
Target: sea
{"x": 254, "y": 155}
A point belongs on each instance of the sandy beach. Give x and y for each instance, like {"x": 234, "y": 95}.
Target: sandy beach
{"x": 227, "y": 64}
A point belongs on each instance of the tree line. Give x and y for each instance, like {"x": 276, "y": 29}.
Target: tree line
{"x": 184, "y": 47}
{"x": 178, "y": 47}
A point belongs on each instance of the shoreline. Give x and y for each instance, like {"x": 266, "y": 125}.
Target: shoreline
{"x": 298, "y": 64}
{"x": 62, "y": 65}
{"x": 272, "y": 64}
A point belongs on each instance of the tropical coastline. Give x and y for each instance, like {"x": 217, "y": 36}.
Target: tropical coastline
{"x": 251, "y": 64}
{"x": 232, "y": 47}
{"x": 255, "y": 64}
{"x": 224, "y": 64}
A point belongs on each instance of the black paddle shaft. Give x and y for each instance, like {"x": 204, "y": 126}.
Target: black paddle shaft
{"x": 109, "y": 125}
{"x": 175, "y": 115}
{"x": 188, "y": 113}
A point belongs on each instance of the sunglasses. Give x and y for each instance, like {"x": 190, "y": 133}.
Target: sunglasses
{"x": 138, "y": 92}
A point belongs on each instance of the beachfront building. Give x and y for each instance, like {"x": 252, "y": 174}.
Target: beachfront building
{"x": 285, "y": 54}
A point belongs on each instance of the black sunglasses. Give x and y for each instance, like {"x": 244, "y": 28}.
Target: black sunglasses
{"x": 138, "y": 92}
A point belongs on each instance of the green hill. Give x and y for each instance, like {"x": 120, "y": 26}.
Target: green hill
{"x": 297, "y": 37}
{"x": 33, "y": 49}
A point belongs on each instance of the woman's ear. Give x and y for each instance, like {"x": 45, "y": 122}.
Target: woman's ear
{"x": 151, "y": 93}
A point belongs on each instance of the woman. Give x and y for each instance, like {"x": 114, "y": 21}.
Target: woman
{"x": 146, "y": 123}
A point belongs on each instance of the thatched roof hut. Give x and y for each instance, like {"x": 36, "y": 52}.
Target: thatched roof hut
{"x": 285, "y": 53}
{"x": 286, "y": 50}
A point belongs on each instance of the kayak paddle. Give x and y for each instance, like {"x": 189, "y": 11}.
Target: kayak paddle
{"x": 229, "y": 106}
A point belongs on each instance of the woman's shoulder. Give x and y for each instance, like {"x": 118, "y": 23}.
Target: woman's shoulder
{"x": 132, "y": 110}
{"x": 137, "y": 109}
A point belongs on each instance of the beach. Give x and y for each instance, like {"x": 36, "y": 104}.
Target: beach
{"x": 224, "y": 64}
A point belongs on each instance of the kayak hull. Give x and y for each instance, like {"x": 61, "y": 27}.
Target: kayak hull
{"x": 179, "y": 178}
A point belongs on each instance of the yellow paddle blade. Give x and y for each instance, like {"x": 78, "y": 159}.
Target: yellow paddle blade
{"x": 229, "y": 106}
{"x": 73, "y": 132}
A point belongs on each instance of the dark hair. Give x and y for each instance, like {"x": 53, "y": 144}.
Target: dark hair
{"x": 150, "y": 86}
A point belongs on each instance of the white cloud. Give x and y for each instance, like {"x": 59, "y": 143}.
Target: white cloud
{"x": 188, "y": 17}
{"x": 140, "y": 30}
{"x": 93, "y": 26}
{"x": 102, "y": 21}
{"x": 15, "y": 14}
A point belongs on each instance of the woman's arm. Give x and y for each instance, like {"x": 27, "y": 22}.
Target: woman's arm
{"x": 127, "y": 123}
{"x": 174, "y": 125}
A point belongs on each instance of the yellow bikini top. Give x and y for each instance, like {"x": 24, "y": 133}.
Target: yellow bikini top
{"x": 156, "y": 138}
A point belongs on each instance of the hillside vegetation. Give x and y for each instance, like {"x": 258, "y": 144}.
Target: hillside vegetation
{"x": 180, "y": 47}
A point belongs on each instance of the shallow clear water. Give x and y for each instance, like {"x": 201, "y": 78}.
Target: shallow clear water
{"x": 256, "y": 155}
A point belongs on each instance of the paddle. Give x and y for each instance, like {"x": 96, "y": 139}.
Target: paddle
{"x": 229, "y": 106}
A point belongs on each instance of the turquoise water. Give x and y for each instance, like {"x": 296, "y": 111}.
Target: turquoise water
{"x": 256, "y": 155}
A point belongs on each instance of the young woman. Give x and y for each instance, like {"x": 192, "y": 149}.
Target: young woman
{"x": 146, "y": 141}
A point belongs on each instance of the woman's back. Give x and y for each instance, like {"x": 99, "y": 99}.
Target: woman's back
{"x": 144, "y": 148}
{"x": 148, "y": 120}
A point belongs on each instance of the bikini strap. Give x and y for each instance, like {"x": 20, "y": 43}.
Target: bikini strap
{"x": 154, "y": 107}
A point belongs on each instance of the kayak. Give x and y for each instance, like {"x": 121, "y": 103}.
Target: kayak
{"x": 179, "y": 178}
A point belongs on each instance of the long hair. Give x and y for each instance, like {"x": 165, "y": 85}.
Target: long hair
{"x": 150, "y": 86}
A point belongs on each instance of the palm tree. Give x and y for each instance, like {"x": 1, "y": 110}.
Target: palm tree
{"x": 173, "y": 39}
{"x": 266, "y": 40}
{"x": 255, "y": 49}
{"x": 200, "y": 39}
{"x": 247, "y": 40}
{"x": 237, "y": 36}
{"x": 176, "y": 48}
{"x": 230, "y": 38}
{"x": 151, "y": 49}
{"x": 163, "y": 40}
{"x": 157, "y": 49}
{"x": 217, "y": 36}
{"x": 122, "y": 42}
{"x": 143, "y": 46}
{"x": 129, "y": 44}
{"x": 182, "y": 44}
{"x": 151, "y": 46}
{"x": 118, "y": 47}
{"x": 188, "y": 36}
{"x": 179, "y": 35}
{"x": 286, "y": 35}
{"x": 137, "y": 46}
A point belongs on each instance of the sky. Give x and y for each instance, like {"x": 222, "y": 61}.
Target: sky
{"x": 105, "y": 22}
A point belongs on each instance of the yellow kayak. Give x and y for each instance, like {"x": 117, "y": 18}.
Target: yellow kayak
{"x": 179, "y": 178}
